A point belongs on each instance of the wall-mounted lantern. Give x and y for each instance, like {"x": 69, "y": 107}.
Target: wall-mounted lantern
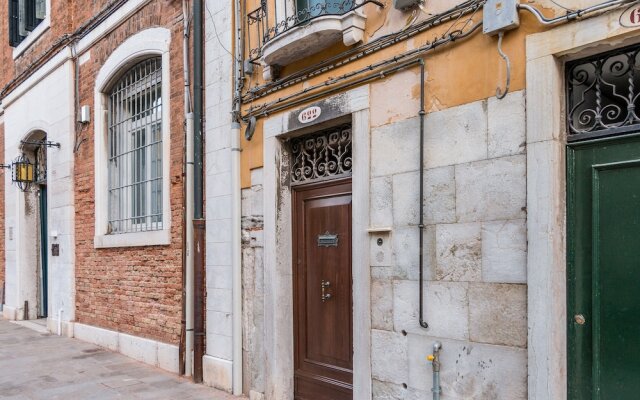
{"x": 23, "y": 172}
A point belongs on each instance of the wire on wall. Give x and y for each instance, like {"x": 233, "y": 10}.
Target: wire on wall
{"x": 307, "y": 94}
{"x": 292, "y": 99}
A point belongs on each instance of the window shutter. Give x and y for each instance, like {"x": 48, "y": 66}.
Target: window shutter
{"x": 14, "y": 23}
{"x": 41, "y": 9}
{"x": 31, "y": 20}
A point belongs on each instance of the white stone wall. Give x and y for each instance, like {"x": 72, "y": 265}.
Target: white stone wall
{"x": 218, "y": 361}
{"x": 47, "y": 106}
{"x": 253, "y": 287}
{"x": 475, "y": 253}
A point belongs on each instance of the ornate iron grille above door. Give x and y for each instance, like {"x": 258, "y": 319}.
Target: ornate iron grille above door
{"x": 603, "y": 94}
{"x": 321, "y": 156}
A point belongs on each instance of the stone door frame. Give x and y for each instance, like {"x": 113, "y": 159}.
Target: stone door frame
{"x": 352, "y": 105}
{"x": 546, "y": 187}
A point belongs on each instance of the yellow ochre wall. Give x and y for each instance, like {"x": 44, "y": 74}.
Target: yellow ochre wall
{"x": 456, "y": 73}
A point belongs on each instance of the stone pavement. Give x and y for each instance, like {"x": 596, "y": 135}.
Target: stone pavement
{"x": 42, "y": 366}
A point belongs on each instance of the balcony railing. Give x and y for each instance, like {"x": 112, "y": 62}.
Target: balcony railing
{"x": 264, "y": 25}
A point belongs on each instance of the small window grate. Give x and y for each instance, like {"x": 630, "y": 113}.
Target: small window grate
{"x": 603, "y": 94}
{"x": 135, "y": 150}
{"x": 321, "y": 156}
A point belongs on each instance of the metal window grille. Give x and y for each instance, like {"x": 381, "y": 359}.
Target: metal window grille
{"x": 135, "y": 150}
{"x": 263, "y": 26}
{"x": 306, "y": 9}
{"x": 603, "y": 94}
{"x": 321, "y": 156}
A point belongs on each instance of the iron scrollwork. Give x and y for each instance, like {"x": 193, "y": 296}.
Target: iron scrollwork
{"x": 41, "y": 165}
{"x": 322, "y": 156}
{"x": 602, "y": 94}
{"x": 261, "y": 30}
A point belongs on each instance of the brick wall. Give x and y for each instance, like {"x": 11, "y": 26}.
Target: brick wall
{"x": 61, "y": 11}
{"x": 66, "y": 17}
{"x": 132, "y": 290}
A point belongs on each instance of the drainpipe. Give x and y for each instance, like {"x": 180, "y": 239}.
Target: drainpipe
{"x": 236, "y": 235}
{"x": 236, "y": 260}
{"x": 422, "y": 113}
{"x": 198, "y": 214}
{"x": 186, "y": 356}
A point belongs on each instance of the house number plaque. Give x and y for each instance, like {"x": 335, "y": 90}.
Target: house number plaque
{"x": 309, "y": 114}
{"x": 630, "y": 17}
{"x": 328, "y": 240}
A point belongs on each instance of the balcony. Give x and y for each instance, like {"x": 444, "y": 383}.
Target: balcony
{"x": 293, "y": 31}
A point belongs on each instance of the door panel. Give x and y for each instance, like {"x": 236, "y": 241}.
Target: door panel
{"x": 44, "y": 256}
{"x": 604, "y": 269}
{"x": 322, "y": 292}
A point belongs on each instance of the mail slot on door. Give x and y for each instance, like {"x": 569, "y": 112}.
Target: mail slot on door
{"x": 328, "y": 240}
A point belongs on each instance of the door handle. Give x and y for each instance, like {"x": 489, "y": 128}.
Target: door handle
{"x": 579, "y": 319}
{"x": 324, "y": 285}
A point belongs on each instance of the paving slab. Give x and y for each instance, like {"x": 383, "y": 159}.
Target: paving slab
{"x": 35, "y": 366}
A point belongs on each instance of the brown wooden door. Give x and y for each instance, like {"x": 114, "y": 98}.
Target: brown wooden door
{"x": 322, "y": 292}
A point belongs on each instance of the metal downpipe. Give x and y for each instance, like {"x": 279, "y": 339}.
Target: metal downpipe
{"x": 421, "y": 224}
{"x": 198, "y": 214}
{"x": 186, "y": 343}
{"x": 236, "y": 238}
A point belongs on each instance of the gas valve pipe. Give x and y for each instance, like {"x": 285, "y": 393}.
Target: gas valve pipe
{"x": 435, "y": 365}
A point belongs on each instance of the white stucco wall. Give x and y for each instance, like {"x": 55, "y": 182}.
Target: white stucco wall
{"x": 46, "y": 106}
{"x": 218, "y": 361}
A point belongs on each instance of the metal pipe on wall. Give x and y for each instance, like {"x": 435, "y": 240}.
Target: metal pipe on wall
{"x": 436, "y": 389}
{"x": 572, "y": 14}
{"x": 189, "y": 265}
{"x": 422, "y": 114}
{"x": 186, "y": 342}
{"x": 236, "y": 238}
{"x": 236, "y": 258}
{"x": 198, "y": 307}
{"x": 198, "y": 198}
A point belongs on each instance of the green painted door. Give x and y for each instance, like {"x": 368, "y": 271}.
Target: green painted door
{"x": 603, "y": 286}
{"x": 44, "y": 255}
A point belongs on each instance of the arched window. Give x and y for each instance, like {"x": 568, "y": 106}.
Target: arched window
{"x": 135, "y": 173}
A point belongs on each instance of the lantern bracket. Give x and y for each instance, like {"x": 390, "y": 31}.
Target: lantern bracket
{"x": 24, "y": 174}
{"x": 38, "y": 143}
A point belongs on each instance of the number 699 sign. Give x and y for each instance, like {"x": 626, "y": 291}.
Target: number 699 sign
{"x": 631, "y": 16}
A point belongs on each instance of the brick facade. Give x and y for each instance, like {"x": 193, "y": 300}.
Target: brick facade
{"x": 132, "y": 290}
{"x": 66, "y": 17}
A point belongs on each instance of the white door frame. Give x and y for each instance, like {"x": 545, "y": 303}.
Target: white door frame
{"x": 278, "y": 245}
{"x": 546, "y": 188}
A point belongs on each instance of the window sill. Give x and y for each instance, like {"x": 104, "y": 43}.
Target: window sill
{"x": 32, "y": 37}
{"x": 311, "y": 38}
{"x": 136, "y": 239}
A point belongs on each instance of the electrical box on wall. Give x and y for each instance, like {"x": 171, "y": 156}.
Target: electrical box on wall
{"x": 499, "y": 16}
{"x": 405, "y": 4}
{"x": 85, "y": 114}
